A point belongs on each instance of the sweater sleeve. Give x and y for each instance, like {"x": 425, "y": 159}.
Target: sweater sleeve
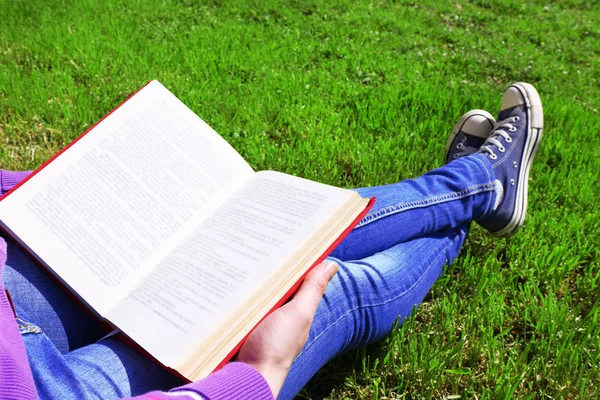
{"x": 234, "y": 381}
{"x": 16, "y": 380}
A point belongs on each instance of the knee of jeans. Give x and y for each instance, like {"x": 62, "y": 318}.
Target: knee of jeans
{"x": 372, "y": 325}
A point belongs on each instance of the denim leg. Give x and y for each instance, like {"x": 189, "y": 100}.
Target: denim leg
{"x": 108, "y": 369}
{"x": 61, "y": 340}
{"x": 67, "y": 324}
{"x": 366, "y": 298}
{"x": 447, "y": 197}
{"x": 361, "y": 305}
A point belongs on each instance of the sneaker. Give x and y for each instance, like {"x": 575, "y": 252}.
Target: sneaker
{"x": 510, "y": 149}
{"x": 469, "y": 133}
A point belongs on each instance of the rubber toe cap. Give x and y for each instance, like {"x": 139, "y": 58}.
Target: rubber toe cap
{"x": 512, "y": 98}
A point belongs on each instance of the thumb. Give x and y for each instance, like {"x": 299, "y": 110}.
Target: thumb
{"x": 313, "y": 288}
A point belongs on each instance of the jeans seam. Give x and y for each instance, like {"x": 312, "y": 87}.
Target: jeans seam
{"x": 490, "y": 204}
{"x": 409, "y": 205}
{"x": 383, "y": 303}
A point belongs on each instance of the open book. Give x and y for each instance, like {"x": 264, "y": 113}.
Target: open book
{"x": 159, "y": 226}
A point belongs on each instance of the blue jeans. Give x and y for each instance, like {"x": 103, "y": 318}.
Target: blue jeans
{"x": 388, "y": 263}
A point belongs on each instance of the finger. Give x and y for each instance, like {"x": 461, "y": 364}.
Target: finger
{"x": 313, "y": 288}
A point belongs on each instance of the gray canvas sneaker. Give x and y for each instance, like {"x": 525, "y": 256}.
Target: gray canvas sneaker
{"x": 510, "y": 149}
{"x": 469, "y": 133}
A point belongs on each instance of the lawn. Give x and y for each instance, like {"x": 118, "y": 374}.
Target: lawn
{"x": 357, "y": 93}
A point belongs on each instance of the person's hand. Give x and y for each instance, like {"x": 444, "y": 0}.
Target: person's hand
{"x": 277, "y": 340}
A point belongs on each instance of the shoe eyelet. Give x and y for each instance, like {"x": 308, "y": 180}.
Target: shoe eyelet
{"x": 456, "y": 156}
{"x": 459, "y": 146}
{"x": 493, "y": 156}
{"x": 508, "y": 139}
{"x": 516, "y": 118}
{"x": 502, "y": 149}
{"x": 512, "y": 128}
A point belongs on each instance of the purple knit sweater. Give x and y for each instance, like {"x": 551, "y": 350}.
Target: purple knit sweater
{"x": 234, "y": 381}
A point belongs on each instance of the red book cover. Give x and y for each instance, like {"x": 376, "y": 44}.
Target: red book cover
{"x": 282, "y": 301}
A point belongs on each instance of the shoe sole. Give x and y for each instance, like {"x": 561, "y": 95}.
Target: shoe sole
{"x": 535, "y": 125}
{"x": 459, "y": 125}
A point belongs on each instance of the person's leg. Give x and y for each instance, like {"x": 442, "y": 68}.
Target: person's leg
{"x": 108, "y": 369}
{"x": 61, "y": 339}
{"x": 67, "y": 324}
{"x": 446, "y": 197}
{"x": 366, "y": 298}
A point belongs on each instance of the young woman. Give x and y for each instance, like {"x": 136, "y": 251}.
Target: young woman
{"x": 49, "y": 347}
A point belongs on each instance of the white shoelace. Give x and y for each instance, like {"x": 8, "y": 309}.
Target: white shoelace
{"x": 499, "y": 132}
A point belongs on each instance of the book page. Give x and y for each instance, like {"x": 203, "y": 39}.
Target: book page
{"x": 224, "y": 261}
{"x": 101, "y": 213}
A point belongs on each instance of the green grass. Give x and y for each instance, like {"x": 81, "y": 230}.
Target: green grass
{"x": 357, "y": 93}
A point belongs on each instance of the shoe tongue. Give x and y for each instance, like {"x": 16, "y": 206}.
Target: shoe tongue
{"x": 473, "y": 141}
{"x": 503, "y": 114}
{"x": 479, "y": 134}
